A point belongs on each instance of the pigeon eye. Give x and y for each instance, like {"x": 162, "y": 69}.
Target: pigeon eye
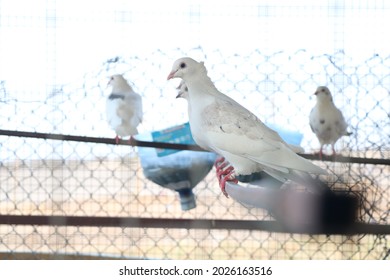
{"x": 323, "y": 90}
{"x": 183, "y": 65}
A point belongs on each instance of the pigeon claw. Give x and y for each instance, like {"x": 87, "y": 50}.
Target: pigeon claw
{"x": 220, "y": 165}
{"x": 117, "y": 139}
{"x": 219, "y": 162}
{"x": 220, "y": 169}
{"x": 225, "y": 175}
{"x": 229, "y": 177}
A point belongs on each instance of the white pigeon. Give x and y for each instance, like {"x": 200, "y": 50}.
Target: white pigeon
{"x": 123, "y": 108}
{"x": 220, "y": 124}
{"x": 326, "y": 120}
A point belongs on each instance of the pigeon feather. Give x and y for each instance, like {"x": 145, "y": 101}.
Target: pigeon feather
{"x": 220, "y": 124}
{"x": 326, "y": 120}
{"x": 123, "y": 107}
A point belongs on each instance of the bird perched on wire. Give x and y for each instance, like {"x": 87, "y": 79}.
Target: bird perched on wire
{"x": 220, "y": 124}
{"x": 123, "y": 108}
{"x": 183, "y": 93}
{"x": 326, "y": 120}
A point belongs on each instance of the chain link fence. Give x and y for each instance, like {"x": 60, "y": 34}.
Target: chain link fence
{"x": 88, "y": 198}
{"x": 53, "y": 177}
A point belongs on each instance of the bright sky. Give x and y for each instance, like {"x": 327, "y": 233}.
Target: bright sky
{"x": 49, "y": 42}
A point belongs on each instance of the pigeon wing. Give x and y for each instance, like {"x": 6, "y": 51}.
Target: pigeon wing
{"x": 234, "y": 129}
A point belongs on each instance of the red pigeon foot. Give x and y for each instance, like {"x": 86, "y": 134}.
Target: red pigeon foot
{"x": 226, "y": 175}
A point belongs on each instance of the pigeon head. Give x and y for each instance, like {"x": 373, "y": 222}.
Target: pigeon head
{"x": 323, "y": 94}
{"x": 182, "y": 90}
{"x": 116, "y": 79}
{"x": 185, "y": 68}
{"x": 118, "y": 83}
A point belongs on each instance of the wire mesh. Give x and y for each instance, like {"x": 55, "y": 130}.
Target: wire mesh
{"x": 49, "y": 177}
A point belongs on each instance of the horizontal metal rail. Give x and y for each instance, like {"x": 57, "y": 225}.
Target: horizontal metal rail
{"x": 160, "y": 145}
{"x": 98, "y": 140}
{"x": 210, "y": 224}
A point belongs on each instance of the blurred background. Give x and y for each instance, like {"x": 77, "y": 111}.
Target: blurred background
{"x": 55, "y": 61}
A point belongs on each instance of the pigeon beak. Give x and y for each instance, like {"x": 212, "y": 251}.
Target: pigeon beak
{"x": 178, "y": 95}
{"x": 171, "y": 75}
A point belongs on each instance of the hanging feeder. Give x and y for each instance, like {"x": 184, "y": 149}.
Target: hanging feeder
{"x": 177, "y": 170}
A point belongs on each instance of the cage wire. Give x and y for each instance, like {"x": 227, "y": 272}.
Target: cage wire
{"x": 52, "y": 177}
{"x": 49, "y": 177}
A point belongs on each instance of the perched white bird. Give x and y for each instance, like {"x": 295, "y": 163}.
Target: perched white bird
{"x": 326, "y": 121}
{"x": 123, "y": 108}
{"x": 220, "y": 124}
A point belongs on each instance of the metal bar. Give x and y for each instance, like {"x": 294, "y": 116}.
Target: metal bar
{"x": 160, "y": 145}
{"x": 270, "y": 226}
{"x": 99, "y": 140}
{"x": 338, "y": 158}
